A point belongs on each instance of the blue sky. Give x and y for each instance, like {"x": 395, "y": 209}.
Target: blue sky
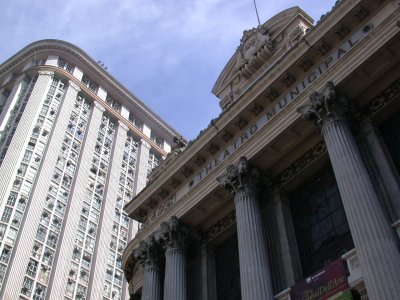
{"x": 169, "y": 53}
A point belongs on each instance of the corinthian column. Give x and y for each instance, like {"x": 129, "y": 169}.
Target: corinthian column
{"x": 148, "y": 254}
{"x": 374, "y": 241}
{"x": 174, "y": 234}
{"x": 255, "y": 277}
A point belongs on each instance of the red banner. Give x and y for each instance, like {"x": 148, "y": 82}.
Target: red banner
{"x": 324, "y": 284}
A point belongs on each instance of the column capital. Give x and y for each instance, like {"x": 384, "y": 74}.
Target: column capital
{"x": 174, "y": 233}
{"x": 241, "y": 177}
{"x": 148, "y": 252}
{"x": 326, "y": 106}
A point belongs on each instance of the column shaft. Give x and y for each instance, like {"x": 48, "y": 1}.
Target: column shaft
{"x": 175, "y": 274}
{"x": 374, "y": 241}
{"x": 255, "y": 278}
{"x": 151, "y": 285}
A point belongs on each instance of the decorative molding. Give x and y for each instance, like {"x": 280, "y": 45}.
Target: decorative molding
{"x": 174, "y": 233}
{"x": 341, "y": 30}
{"x": 187, "y": 172}
{"x": 392, "y": 92}
{"x": 199, "y": 160}
{"x": 46, "y": 73}
{"x": 360, "y": 13}
{"x": 305, "y": 64}
{"x": 256, "y": 109}
{"x": 212, "y": 149}
{"x": 325, "y": 107}
{"x": 241, "y": 122}
{"x": 299, "y": 165}
{"x": 323, "y": 47}
{"x": 288, "y": 79}
{"x": 162, "y": 207}
{"x": 272, "y": 94}
{"x": 218, "y": 228}
{"x": 255, "y": 48}
{"x": 239, "y": 178}
{"x": 226, "y": 136}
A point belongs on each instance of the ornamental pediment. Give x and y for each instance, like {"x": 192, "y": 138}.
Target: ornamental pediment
{"x": 259, "y": 47}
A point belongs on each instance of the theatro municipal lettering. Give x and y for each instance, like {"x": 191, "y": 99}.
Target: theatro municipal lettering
{"x": 277, "y": 107}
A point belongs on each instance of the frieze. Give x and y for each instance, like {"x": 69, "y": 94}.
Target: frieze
{"x": 382, "y": 100}
{"x": 218, "y": 228}
{"x": 158, "y": 211}
{"x": 303, "y": 162}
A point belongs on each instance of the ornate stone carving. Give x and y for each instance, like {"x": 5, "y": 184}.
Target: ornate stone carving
{"x": 255, "y": 48}
{"x": 187, "y": 172}
{"x": 226, "y": 135}
{"x": 200, "y": 160}
{"x": 241, "y": 123}
{"x": 288, "y": 79}
{"x": 325, "y": 107}
{"x": 240, "y": 177}
{"x": 174, "y": 233}
{"x": 305, "y": 64}
{"x": 272, "y": 94}
{"x": 212, "y": 148}
{"x": 341, "y": 30}
{"x": 256, "y": 109}
{"x": 323, "y": 47}
{"x": 218, "y": 228}
{"x": 148, "y": 252}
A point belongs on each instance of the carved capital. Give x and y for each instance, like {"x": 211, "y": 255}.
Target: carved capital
{"x": 239, "y": 178}
{"x": 325, "y": 107}
{"x": 174, "y": 233}
{"x": 148, "y": 252}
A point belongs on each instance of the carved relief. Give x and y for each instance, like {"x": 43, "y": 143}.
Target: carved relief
{"x": 174, "y": 233}
{"x": 239, "y": 178}
{"x": 255, "y": 48}
{"x": 148, "y": 252}
{"x": 325, "y": 107}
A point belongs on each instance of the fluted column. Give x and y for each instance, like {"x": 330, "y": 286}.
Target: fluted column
{"x": 148, "y": 254}
{"x": 174, "y": 234}
{"x": 255, "y": 279}
{"x": 374, "y": 241}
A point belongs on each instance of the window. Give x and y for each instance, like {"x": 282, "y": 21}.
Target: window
{"x": 11, "y": 199}
{"x": 6, "y": 214}
{"x": 11, "y": 235}
{"x": 32, "y": 268}
{"x": 27, "y": 287}
{"x": 5, "y": 254}
{"x": 320, "y": 224}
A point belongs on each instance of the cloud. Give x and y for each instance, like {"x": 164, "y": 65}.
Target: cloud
{"x": 168, "y": 52}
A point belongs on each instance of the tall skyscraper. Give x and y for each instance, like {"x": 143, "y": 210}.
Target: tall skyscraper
{"x": 75, "y": 146}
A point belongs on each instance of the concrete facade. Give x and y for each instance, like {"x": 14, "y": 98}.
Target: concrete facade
{"x": 75, "y": 147}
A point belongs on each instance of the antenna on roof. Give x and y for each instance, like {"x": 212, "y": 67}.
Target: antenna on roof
{"x": 258, "y": 18}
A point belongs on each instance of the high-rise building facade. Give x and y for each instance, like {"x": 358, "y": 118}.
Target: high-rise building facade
{"x": 75, "y": 146}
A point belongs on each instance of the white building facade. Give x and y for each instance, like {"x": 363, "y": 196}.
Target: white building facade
{"x": 75, "y": 147}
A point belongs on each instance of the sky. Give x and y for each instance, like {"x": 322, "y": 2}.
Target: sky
{"x": 169, "y": 53}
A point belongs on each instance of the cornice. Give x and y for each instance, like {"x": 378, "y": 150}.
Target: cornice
{"x": 350, "y": 62}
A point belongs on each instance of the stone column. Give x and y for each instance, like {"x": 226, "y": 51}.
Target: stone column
{"x": 255, "y": 278}
{"x": 388, "y": 177}
{"x": 174, "y": 234}
{"x": 208, "y": 270}
{"x": 373, "y": 238}
{"x": 148, "y": 254}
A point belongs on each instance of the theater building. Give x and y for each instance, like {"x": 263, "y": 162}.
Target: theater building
{"x": 299, "y": 171}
